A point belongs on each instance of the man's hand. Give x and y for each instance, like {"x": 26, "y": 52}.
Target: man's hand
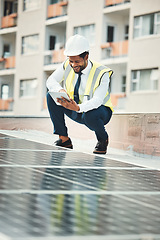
{"x": 72, "y": 105}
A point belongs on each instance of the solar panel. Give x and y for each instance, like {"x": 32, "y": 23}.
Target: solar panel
{"x": 52, "y": 193}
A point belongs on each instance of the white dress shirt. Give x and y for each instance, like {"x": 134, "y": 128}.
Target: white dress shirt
{"x": 53, "y": 84}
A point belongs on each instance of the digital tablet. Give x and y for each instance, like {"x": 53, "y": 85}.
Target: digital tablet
{"x": 56, "y": 95}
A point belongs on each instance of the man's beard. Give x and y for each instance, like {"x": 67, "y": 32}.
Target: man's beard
{"x": 81, "y": 68}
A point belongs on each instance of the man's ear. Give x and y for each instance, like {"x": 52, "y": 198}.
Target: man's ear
{"x": 86, "y": 57}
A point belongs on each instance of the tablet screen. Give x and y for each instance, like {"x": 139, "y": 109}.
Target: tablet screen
{"x": 56, "y": 95}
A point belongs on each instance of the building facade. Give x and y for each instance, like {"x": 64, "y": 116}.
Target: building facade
{"x": 123, "y": 34}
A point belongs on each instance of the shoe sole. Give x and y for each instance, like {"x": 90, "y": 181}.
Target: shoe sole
{"x": 68, "y": 146}
{"x": 100, "y": 152}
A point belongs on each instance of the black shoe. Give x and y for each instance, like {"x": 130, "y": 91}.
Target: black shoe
{"x": 66, "y": 144}
{"x": 101, "y": 147}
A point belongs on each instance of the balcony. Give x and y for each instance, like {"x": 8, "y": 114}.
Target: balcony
{"x": 7, "y": 63}
{"x": 109, "y": 3}
{"x": 114, "y": 49}
{"x": 57, "y": 9}
{"x": 54, "y": 57}
{"x": 44, "y": 103}
{"x": 118, "y": 100}
{"x": 9, "y": 21}
{"x": 6, "y": 104}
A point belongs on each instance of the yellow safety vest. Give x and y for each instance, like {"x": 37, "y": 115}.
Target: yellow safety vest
{"x": 93, "y": 81}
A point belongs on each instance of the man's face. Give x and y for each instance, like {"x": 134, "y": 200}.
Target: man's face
{"x": 78, "y": 63}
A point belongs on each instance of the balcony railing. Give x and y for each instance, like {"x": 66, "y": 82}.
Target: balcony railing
{"x": 57, "y": 9}
{"x": 9, "y": 21}
{"x": 54, "y": 57}
{"x": 6, "y": 104}
{"x": 7, "y": 63}
{"x": 115, "y": 49}
{"x": 109, "y": 3}
{"x": 115, "y": 99}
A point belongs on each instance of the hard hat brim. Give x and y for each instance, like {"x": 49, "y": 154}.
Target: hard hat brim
{"x": 70, "y": 54}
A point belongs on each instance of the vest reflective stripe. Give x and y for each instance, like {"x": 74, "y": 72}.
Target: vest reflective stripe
{"x": 90, "y": 80}
{"x": 94, "y": 79}
{"x": 98, "y": 75}
{"x": 107, "y": 97}
{"x": 67, "y": 71}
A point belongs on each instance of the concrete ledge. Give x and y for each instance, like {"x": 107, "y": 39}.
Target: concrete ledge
{"x": 136, "y": 132}
{"x": 139, "y": 133}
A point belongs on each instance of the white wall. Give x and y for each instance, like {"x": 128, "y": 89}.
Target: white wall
{"x": 30, "y": 66}
{"x": 144, "y": 53}
{"x": 82, "y": 12}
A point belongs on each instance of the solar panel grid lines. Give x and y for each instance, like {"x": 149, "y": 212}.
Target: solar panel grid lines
{"x": 59, "y": 158}
{"x": 50, "y": 193}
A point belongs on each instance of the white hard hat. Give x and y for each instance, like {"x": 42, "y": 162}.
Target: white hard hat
{"x": 76, "y": 45}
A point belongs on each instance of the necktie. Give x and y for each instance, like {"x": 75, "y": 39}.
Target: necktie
{"x": 76, "y": 88}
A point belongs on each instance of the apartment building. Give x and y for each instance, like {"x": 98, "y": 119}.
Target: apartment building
{"x": 123, "y": 34}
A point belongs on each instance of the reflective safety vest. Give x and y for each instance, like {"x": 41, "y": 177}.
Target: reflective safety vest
{"x": 94, "y": 80}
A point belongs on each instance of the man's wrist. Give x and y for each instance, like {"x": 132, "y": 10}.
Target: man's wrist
{"x": 78, "y": 108}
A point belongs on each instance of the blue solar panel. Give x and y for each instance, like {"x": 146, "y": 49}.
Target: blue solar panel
{"x": 52, "y": 193}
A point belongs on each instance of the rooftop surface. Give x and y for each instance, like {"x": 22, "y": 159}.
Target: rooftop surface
{"x": 48, "y": 192}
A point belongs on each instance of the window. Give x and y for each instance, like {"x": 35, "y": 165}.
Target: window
{"x": 143, "y": 80}
{"x": 157, "y": 23}
{"x": 147, "y": 25}
{"x": 126, "y": 32}
{"x": 6, "y": 50}
{"x": 87, "y": 31}
{"x": 30, "y": 4}
{"x": 52, "y": 42}
{"x": 123, "y": 86}
{"x": 28, "y": 88}
{"x": 137, "y": 26}
{"x": 5, "y": 91}
{"x": 53, "y": 1}
{"x": 10, "y": 7}
{"x": 56, "y": 1}
{"x": 30, "y": 44}
{"x": 110, "y": 33}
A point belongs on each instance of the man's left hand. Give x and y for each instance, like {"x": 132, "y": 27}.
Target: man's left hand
{"x": 72, "y": 105}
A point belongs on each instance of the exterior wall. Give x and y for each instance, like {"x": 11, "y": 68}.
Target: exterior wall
{"x": 29, "y": 66}
{"x": 80, "y": 15}
{"x": 144, "y": 54}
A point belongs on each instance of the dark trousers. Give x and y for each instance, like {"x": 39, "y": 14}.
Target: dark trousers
{"x": 94, "y": 119}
